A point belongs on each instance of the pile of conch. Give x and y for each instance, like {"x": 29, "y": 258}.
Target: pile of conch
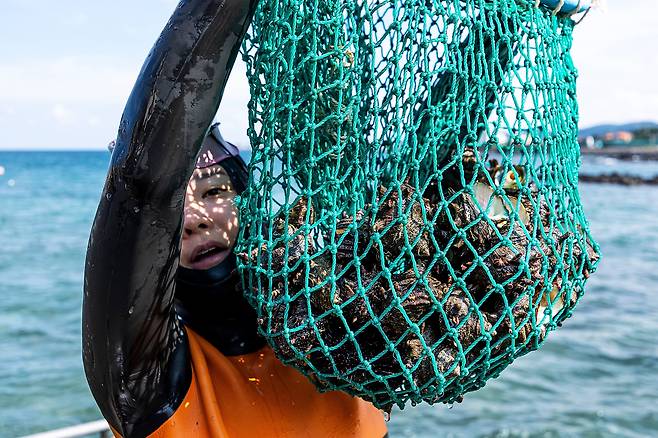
{"x": 412, "y": 302}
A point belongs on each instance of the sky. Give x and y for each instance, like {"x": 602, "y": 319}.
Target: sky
{"x": 68, "y": 66}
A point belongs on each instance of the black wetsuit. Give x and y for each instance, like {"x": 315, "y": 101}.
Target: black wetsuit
{"x": 134, "y": 348}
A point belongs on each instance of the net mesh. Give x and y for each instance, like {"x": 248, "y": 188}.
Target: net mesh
{"x": 414, "y": 223}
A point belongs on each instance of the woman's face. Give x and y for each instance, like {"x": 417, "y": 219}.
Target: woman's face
{"x": 210, "y": 225}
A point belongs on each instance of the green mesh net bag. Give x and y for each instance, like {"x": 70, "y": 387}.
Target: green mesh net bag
{"x": 412, "y": 223}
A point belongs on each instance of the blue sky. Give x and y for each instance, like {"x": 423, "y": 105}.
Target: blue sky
{"x": 67, "y": 67}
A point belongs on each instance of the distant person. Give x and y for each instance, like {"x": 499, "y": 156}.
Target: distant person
{"x": 170, "y": 345}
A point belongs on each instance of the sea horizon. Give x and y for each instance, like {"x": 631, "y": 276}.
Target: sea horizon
{"x": 595, "y": 376}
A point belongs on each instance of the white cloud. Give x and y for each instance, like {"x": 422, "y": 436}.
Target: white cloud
{"x": 89, "y": 93}
{"x": 617, "y": 63}
{"x": 66, "y": 79}
{"x": 62, "y": 115}
{"x": 78, "y": 18}
{"x": 7, "y": 110}
{"x": 94, "y": 121}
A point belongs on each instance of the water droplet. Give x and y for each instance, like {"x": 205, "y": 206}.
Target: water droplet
{"x": 11, "y": 182}
{"x": 131, "y": 310}
{"x": 136, "y": 209}
{"x": 2, "y": 170}
{"x": 108, "y": 196}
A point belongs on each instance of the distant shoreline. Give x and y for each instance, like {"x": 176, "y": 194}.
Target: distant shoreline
{"x": 644, "y": 153}
{"x": 618, "y": 179}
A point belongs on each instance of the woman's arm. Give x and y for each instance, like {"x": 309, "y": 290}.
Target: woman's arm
{"x": 134, "y": 350}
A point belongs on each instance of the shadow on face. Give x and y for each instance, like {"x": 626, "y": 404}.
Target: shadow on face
{"x": 210, "y": 225}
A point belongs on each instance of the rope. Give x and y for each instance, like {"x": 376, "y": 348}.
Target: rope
{"x": 583, "y": 17}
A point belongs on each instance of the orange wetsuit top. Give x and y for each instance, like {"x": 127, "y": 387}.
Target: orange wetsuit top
{"x": 256, "y": 395}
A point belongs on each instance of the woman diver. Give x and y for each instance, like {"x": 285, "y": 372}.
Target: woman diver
{"x": 170, "y": 345}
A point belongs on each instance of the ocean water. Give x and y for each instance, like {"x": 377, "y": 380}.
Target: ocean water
{"x": 595, "y": 377}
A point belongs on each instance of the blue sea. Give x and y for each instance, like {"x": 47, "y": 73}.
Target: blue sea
{"x": 595, "y": 377}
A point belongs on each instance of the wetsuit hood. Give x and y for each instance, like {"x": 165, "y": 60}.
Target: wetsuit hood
{"x": 216, "y": 150}
{"x": 210, "y": 301}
